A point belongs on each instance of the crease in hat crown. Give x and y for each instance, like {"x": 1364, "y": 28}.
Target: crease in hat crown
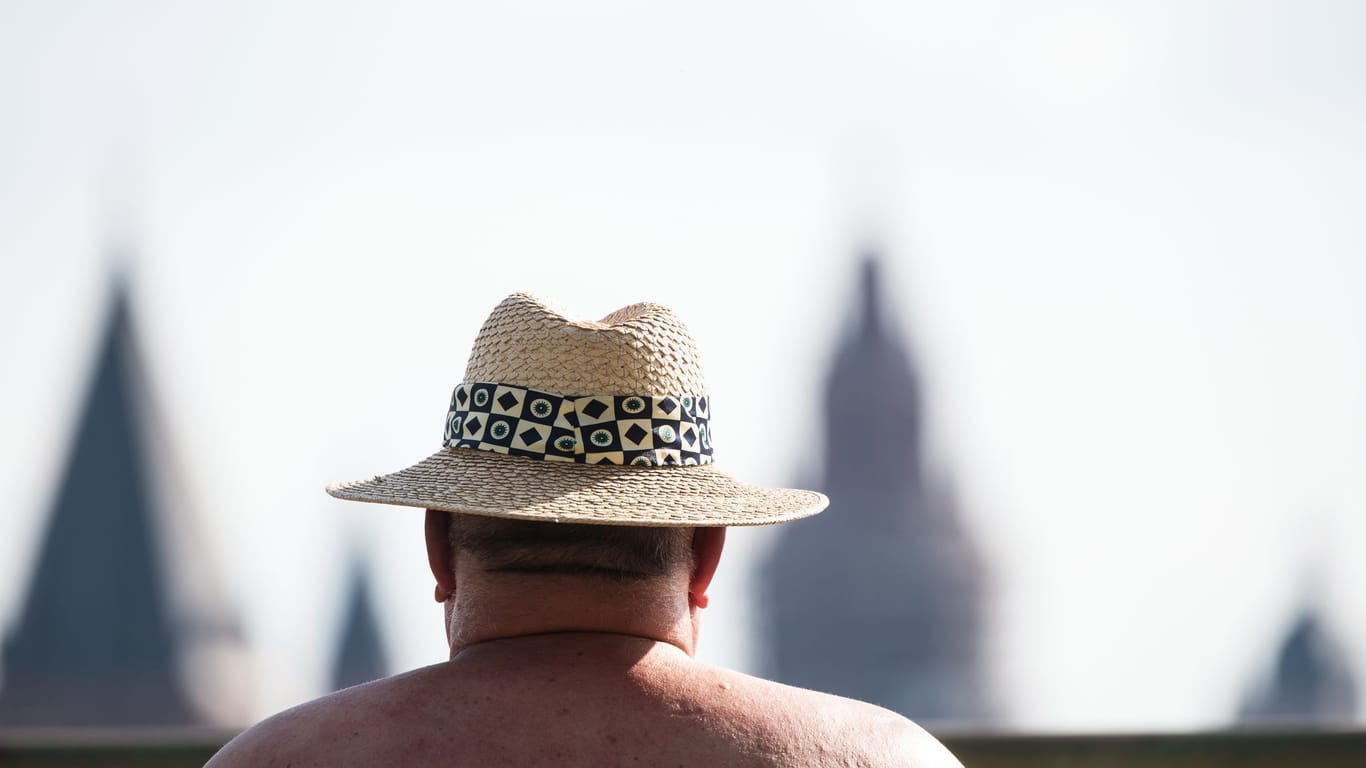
{"x": 639, "y": 349}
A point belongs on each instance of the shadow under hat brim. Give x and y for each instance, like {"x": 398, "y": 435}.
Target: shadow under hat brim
{"x": 496, "y": 485}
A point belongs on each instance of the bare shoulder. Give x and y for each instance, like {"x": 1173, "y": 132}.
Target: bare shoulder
{"x": 835, "y": 730}
{"x": 333, "y": 730}
{"x": 901, "y": 742}
{"x": 283, "y": 739}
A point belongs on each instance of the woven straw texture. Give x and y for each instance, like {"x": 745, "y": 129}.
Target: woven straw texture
{"x": 642, "y": 349}
{"x": 637, "y": 350}
{"x": 476, "y": 482}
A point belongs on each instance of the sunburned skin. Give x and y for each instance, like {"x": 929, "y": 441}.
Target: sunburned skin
{"x": 569, "y": 670}
{"x": 582, "y": 699}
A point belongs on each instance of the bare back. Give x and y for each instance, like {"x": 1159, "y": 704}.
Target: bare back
{"x": 582, "y": 700}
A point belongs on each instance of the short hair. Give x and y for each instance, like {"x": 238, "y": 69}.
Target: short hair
{"x": 621, "y": 553}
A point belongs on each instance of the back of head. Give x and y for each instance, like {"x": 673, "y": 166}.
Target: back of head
{"x": 613, "y": 552}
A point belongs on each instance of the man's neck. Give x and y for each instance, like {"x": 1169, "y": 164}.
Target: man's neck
{"x": 491, "y": 607}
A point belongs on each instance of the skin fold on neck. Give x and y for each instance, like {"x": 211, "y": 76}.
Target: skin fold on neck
{"x": 501, "y": 607}
{"x": 482, "y": 606}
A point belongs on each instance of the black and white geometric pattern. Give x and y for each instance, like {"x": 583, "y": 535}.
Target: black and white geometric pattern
{"x": 640, "y": 430}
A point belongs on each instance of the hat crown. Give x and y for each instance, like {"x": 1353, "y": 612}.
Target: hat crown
{"x": 640, "y": 349}
{"x": 564, "y": 420}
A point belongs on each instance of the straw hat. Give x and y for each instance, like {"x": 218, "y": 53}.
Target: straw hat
{"x": 576, "y": 421}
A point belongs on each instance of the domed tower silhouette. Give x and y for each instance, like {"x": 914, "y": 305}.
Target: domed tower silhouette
{"x": 122, "y": 617}
{"x": 880, "y": 597}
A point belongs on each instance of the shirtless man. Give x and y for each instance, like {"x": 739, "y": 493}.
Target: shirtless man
{"x": 572, "y": 589}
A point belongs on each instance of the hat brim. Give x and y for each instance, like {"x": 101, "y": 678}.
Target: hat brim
{"x": 496, "y": 485}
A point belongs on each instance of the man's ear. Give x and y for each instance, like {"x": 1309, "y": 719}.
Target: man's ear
{"x": 439, "y": 552}
{"x": 707, "y": 544}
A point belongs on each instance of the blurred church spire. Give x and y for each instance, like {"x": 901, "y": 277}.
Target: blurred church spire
{"x": 100, "y": 639}
{"x": 1311, "y": 680}
{"x": 880, "y": 597}
{"x": 360, "y": 654}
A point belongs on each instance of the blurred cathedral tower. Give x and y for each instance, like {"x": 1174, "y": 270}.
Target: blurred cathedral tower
{"x": 880, "y": 597}
{"x": 122, "y": 624}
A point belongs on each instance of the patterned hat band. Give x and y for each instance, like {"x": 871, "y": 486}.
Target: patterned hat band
{"x": 640, "y": 430}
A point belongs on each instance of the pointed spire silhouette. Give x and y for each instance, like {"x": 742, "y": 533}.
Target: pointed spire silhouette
{"x": 95, "y": 641}
{"x": 360, "y": 654}
{"x": 1310, "y": 682}
{"x": 870, "y": 295}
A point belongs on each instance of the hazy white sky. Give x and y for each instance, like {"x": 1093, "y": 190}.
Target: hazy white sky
{"x": 1125, "y": 238}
